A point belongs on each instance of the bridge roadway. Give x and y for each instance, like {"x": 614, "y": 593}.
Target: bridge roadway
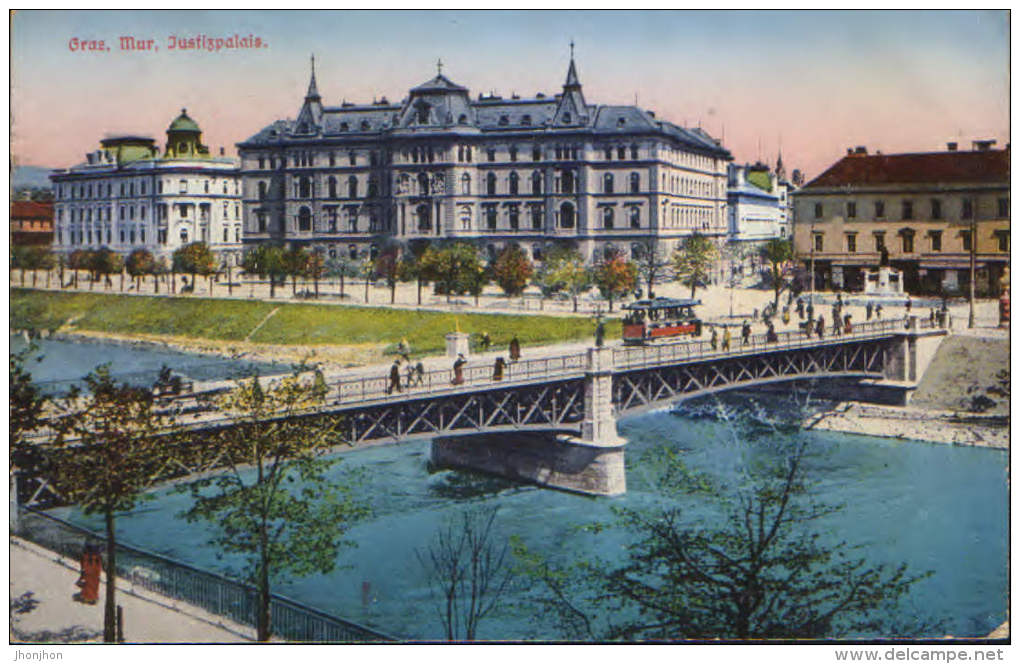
{"x": 358, "y": 390}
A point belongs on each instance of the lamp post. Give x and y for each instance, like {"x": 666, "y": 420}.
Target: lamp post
{"x": 973, "y": 267}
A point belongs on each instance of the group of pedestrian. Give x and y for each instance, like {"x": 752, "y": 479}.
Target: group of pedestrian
{"x": 415, "y": 375}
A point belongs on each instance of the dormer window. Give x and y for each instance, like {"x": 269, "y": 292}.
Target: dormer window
{"x": 344, "y": 126}
{"x": 621, "y": 121}
{"x": 462, "y": 119}
{"x": 526, "y": 120}
{"x": 566, "y": 118}
{"x": 503, "y": 121}
{"x": 364, "y": 125}
{"x": 422, "y": 113}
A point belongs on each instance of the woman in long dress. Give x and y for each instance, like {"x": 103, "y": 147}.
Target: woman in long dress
{"x": 458, "y": 369}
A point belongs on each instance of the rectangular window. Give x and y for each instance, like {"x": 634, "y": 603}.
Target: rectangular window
{"x": 936, "y": 208}
{"x": 879, "y": 242}
{"x": 908, "y": 243}
{"x": 879, "y": 209}
{"x": 965, "y": 236}
{"x": 1002, "y": 237}
{"x": 819, "y": 245}
{"x": 818, "y": 210}
{"x": 490, "y": 154}
{"x": 184, "y": 187}
{"x": 968, "y": 209}
{"x": 851, "y": 243}
{"x": 1003, "y": 208}
{"x": 936, "y": 240}
{"x": 536, "y": 154}
{"x": 908, "y": 210}
{"x": 513, "y": 154}
{"x": 851, "y": 209}
{"x": 490, "y": 217}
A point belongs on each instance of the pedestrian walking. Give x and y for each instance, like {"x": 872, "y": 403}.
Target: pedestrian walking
{"x": 909, "y": 305}
{"x": 600, "y": 333}
{"x": 726, "y": 339}
{"x": 931, "y": 316}
{"x": 811, "y": 311}
{"x": 837, "y": 326}
{"x": 410, "y": 375}
{"x": 770, "y": 335}
{"x": 458, "y": 369}
{"x": 419, "y": 373}
{"x": 847, "y": 325}
{"x": 404, "y": 350}
{"x": 754, "y": 314}
{"x": 807, "y": 326}
{"x": 878, "y": 312}
{"x": 800, "y": 308}
{"x": 515, "y": 349}
{"x": 820, "y": 327}
{"x": 497, "y": 369}
{"x": 715, "y": 339}
{"x": 786, "y": 316}
{"x": 486, "y": 341}
{"x": 394, "y": 383}
{"x": 868, "y": 310}
{"x": 745, "y": 333}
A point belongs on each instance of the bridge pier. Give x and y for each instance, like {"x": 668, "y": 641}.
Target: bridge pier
{"x": 592, "y": 463}
{"x": 907, "y": 356}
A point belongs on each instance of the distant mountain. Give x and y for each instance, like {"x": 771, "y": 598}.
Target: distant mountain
{"x": 31, "y": 177}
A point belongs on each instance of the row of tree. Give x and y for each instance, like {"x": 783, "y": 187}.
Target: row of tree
{"x": 454, "y": 268}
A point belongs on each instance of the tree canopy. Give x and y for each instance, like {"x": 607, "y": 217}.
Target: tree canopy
{"x": 693, "y": 261}
{"x": 512, "y": 270}
{"x": 615, "y": 278}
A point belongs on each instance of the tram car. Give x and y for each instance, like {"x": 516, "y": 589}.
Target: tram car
{"x": 660, "y": 319}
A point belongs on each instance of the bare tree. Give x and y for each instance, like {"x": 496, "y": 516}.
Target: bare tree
{"x": 652, "y": 264}
{"x": 468, "y": 572}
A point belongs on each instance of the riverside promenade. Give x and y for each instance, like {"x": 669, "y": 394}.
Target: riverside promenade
{"x": 42, "y": 609}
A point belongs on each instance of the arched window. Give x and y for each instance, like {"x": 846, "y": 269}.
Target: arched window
{"x": 536, "y": 183}
{"x": 352, "y": 251}
{"x": 568, "y": 182}
{"x": 184, "y": 236}
{"x": 607, "y": 217}
{"x": 304, "y": 188}
{"x": 462, "y": 119}
{"x": 514, "y": 216}
{"x": 566, "y": 216}
{"x": 352, "y": 187}
{"x": 465, "y": 217}
{"x": 332, "y": 186}
{"x": 514, "y": 183}
{"x": 490, "y": 217}
{"x": 423, "y": 184}
{"x": 536, "y": 217}
{"x": 304, "y": 219}
{"x": 490, "y": 184}
{"x": 465, "y": 184}
{"x": 633, "y": 152}
{"x": 635, "y": 183}
{"x": 621, "y": 152}
{"x": 607, "y": 183}
{"x": 373, "y": 188}
{"x": 635, "y": 217}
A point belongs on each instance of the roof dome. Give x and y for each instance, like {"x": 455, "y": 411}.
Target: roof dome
{"x": 183, "y": 123}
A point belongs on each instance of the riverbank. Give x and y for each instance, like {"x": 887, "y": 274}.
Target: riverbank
{"x": 911, "y": 423}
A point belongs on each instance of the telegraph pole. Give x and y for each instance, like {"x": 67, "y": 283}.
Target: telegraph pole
{"x": 973, "y": 266}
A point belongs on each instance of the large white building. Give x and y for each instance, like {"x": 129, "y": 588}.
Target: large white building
{"x": 127, "y": 196}
{"x": 441, "y": 164}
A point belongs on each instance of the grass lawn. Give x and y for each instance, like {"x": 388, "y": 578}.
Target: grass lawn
{"x": 293, "y": 324}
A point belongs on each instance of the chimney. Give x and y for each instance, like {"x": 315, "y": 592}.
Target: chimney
{"x": 849, "y": 151}
{"x": 221, "y": 152}
{"x": 951, "y": 146}
{"x": 860, "y": 149}
{"x": 983, "y": 146}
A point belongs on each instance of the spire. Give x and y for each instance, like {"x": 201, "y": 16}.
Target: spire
{"x": 572, "y": 80}
{"x": 313, "y": 89}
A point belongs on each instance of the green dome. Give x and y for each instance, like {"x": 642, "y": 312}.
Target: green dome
{"x": 183, "y": 123}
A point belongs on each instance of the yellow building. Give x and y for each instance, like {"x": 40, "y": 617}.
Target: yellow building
{"x": 915, "y": 212}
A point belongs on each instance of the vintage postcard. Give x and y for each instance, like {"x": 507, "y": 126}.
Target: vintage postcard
{"x": 447, "y": 326}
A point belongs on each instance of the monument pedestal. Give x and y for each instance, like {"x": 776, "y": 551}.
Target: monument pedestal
{"x": 457, "y": 343}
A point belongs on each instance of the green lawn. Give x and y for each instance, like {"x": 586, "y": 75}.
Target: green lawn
{"x": 293, "y": 324}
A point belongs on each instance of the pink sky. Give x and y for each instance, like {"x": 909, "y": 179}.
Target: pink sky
{"x": 819, "y": 82}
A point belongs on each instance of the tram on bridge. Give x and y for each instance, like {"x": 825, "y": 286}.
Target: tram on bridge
{"x": 660, "y": 319}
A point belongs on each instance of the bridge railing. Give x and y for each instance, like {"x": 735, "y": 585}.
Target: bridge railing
{"x": 212, "y": 592}
{"x": 436, "y": 380}
{"x": 638, "y": 356}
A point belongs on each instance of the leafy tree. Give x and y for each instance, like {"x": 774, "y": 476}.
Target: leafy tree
{"x": 315, "y": 268}
{"x": 341, "y": 267}
{"x": 108, "y": 458}
{"x": 651, "y": 263}
{"x": 778, "y": 253}
{"x": 615, "y": 278}
{"x": 266, "y": 260}
{"x": 274, "y": 505}
{"x": 411, "y": 266}
{"x": 195, "y": 258}
{"x": 366, "y": 269}
{"x": 80, "y": 259}
{"x": 295, "y": 261}
{"x": 454, "y": 269}
{"x": 762, "y": 567}
{"x": 564, "y": 270}
{"x": 468, "y": 571}
{"x": 387, "y": 266}
{"x": 512, "y": 270}
{"x": 693, "y": 261}
{"x": 25, "y": 414}
{"x": 159, "y": 271}
{"x": 140, "y": 262}
{"x": 104, "y": 263}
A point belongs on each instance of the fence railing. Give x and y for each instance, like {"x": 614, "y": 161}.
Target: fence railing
{"x": 378, "y": 387}
{"x": 664, "y": 353}
{"x": 212, "y": 592}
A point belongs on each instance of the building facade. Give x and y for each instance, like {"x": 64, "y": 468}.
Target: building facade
{"x": 919, "y": 213}
{"x": 128, "y": 195}
{"x": 31, "y": 223}
{"x": 753, "y": 205}
{"x": 442, "y": 165}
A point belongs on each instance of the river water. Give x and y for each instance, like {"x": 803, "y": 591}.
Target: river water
{"x": 934, "y": 507}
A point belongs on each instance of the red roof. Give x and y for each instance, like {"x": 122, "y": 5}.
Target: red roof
{"x": 31, "y": 210}
{"x": 923, "y": 168}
